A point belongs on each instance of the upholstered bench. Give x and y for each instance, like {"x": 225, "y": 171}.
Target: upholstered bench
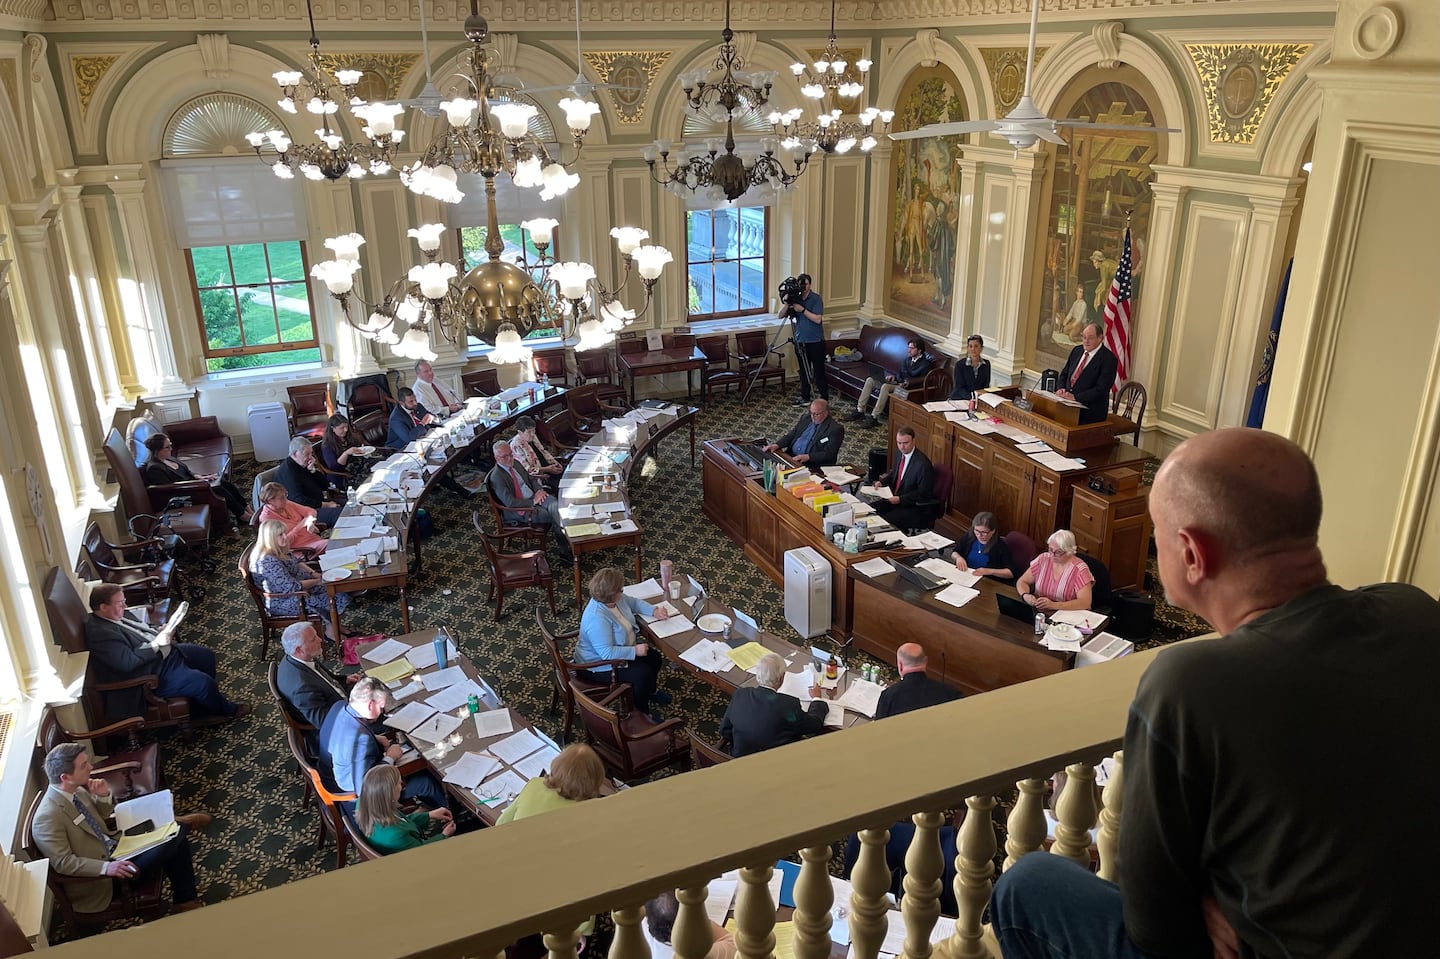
{"x": 882, "y": 348}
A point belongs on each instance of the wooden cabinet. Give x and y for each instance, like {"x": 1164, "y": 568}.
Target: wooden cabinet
{"x": 1008, "y": 489}
{"x": 1116, "y": 530}
{"x": 724, "y": 494}
{"x": 967, "y": 466}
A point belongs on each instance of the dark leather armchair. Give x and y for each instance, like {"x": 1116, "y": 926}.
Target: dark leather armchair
{"x": 198, "y": 442}
{"x": 629, "y": 743}
{"x": 523, "y": 528}
{"x": 191, "y": 523}
{"x": 310, "y": 409}
{"x": 511, "y": 571}
{"x": 552, "y": 363}
{"x": 144, "y": 580}
{"x": 882, "y": 348}
{"x": 130, "y": 772}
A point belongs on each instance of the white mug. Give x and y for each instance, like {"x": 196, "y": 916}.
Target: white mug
{"x": 674, "y": 589}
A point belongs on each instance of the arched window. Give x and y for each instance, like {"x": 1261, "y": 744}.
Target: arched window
{"x": 215, "y": 125}
{"x": 1095, "y": 183}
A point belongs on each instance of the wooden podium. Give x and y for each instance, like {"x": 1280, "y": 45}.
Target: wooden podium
{"x": 1058, "y": 423}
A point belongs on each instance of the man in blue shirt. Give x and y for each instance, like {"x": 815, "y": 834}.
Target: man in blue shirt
{"x": 809, "y": 314}
{"x": 814, "y": 440}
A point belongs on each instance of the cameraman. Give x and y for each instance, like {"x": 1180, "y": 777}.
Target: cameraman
{"x": 808, "y": 312}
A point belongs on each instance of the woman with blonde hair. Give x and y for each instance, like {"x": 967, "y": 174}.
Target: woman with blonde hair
{"x": 381, "y": 822}
{"x": 299, "y": 520}
{"x": 276, "y": 570}
{"x": 576, "y": 774}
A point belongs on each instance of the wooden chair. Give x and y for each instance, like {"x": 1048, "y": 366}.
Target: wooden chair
{"x": 310, "y": 409}
{"x": 753, "y": 353}
{"x": 372, "y": 429}
{"x": 937, "y": 386}
{"x": 308, "y": 733}
{"x": 361, "y": 843}
{"x": 1129, "y": 402}
{"x": 271, "y": 623}
{"x": 586, "y": 408}
{"x": 561, "y": 428}
{"x": 62, "y": 602}
{"x": 552, "y": 363}
{"x": 598, "y": 367}
{"x": 145, "y": 581}
{"x": 481, "y": 382}
{"x": 564, "y": 673}
{"x": 718, "y": 371}
{"x": 546, "y": 435}
{"x": 531, "y": 534}
{"x": 133, "y": 898}
{"x": 634, "y": 746}
{"x": 133, "y": 771}
{"x": 328, "y": 812}
{"x": 703, "y": 755}
{"x": 366, "y": 396}
{"x": 511, "y": 571}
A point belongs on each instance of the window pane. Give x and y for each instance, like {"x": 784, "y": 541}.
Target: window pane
{"x": 285, "y": 261}
{"x": 257, "y": 316}
{"x": 218, "y": 364}
{"x": 752, "y": 231}
{"x": 752, "y": 284}
{"x": 250, "y": 265}
{"x": 222, "y": 323}
{"x": 727, "y": 286}
{"x": 727, "y": 233}
{"x": 702, "y": 288}
{"x": 212, "y": 266}
{"x": 294, "y": 312}
{"x": 697, "y": 225}
{"x": 725, "y": 260}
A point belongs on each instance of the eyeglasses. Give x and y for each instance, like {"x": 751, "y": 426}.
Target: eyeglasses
{"x": 982, "y": 531}
{"x": 1058, "y": 552}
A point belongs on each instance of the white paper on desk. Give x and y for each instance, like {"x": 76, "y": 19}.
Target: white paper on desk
{"x": 835, "y": 717}
{"x": 1054, "y": 461}
{"x": 494, "y": 722}
{"x": 158, "y": 807}
{"x": 708, "y": 655}
{"x": 874, "y": 567}
{"x": 894, "y": 940}
{"x": 584, "y": 511}
{"x": 439, "y": 679}
{"x": 890, "y": 537}
{"x": 840, "y": 477}
{"x": 453, "y": 697}
{"x": 946, "y": 571}
{"x": 645, "y": 590}
{"x": 862, "y": 696}
{"x": 499, "y": 790}
{"x": 1036, "y": 447}
{"x": 667, "y": 606}
{"x": 982, "y": 427}
{"x": 467, "y": 771}
{"x": 537, "y": 763}
{"x": 941, "y": 406}
{"x": 623, "y": 526}
{"x": 608, "y": 508}
{"x": 877, "y": 492}
{"x": 695, "y": 587}
{"x": 664, "y": 628}
{"x": 957, "y": 595}
{"x": 1084, "y": 618}
{"x": 353, "y": 527}
{"x": 515, "y": 748}
{"x": 933, "y": 540}
{"x": 798, "y": 684}
{"x": 992, "y": 399}
{"x": 410, "y": 689}
{"x": 436, "y": 728}
{"x": 386, "y": 651}
{"x": 1060, "y": 645}
{"x": 334, "y": 558}
{"x": 423, "y": 656}
{"x": 957, "y": 417}
{"x": 409, "y": 716}
{"x": 719, "y": 897}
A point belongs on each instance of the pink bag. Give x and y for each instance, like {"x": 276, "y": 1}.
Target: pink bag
{"x": 350, "y": 647}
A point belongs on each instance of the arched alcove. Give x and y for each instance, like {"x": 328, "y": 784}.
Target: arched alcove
{"x": 214, "y": 124}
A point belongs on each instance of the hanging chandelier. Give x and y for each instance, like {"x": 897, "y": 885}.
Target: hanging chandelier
{"x": 333, "y": 157}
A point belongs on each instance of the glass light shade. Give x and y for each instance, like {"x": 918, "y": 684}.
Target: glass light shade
{"x": 627, "y": 238}
{"x": 863, "y": 65}
{"x": 433, "y": 279}
{"x": 255, "y": 139}
{"x": 837, "y": 66}
{"x": 514, "y": 118}
{"x": 409, "y": 310}
{"x": 287, "y": 78}
{"x": 354, "y": 171}
{"x": 279, "y": 140}
{"x": 311, "y": 171}
{"x": 332, "y": 141}
{"x": 851, "y": 90}
{"x": 346, "y": 246}
{"x": 459, "y": 110}
{"x": 542, "y": 229}
{"x": 886, "y": 116}
{"x": 415, "y": 345}
{"x": 380, "y": 117}
{"x": 557, "y": 181}
{"x": 315, "y": 105}
{"x": 797, "y": 68}
{"x": 379, "y": 167}
{"x": 845, "y": 145}
{"x": 283, "y": 171}
{"x": 337, "y": 275}
{"x": 348, "y": 78}
{"x": 509, "y": 348}
{"x": 813, "y": 90}
{"x": 286, "y": 104}
{"x": 578, "y": 113}
{"x": 593, "y": 335}
{"x": 651, "y": 261}
{"x": 527, "y": 173}
{"x": 868, "y": 144}
{"x": 572, "y": 277}
{"x": 386, "y": 333}
{"x": 427, "y": 236}
{"x": 614, "y": 316}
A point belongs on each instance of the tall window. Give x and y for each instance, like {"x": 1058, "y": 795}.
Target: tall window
{"x": 519, "y": 249}
{"x": 725, "y": 263}
{"x": 254, "y": 305}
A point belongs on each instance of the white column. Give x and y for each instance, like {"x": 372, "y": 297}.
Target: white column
{"x": 97, "y": 209}
{"x": 85, "y": 292}
{"x": 150, "y": 332}
{"x": 1153, "y": 295}
{"x": 962, "y": 294}
{"x": 877, "y": 255}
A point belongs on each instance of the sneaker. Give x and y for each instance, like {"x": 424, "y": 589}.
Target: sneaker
{"x": 869, "y": 423}
{"x": 800, "y": 401}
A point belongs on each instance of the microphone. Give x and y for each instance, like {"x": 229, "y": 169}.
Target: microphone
{"x": 943, "y": 677}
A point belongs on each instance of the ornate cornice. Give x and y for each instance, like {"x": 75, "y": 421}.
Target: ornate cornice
{"x": 25, "y": 9}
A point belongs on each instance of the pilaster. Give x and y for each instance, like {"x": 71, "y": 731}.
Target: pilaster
{"x": 151, "y": 338}
{"x": 1153, "y": 295}
{"x": 85, "y": 291}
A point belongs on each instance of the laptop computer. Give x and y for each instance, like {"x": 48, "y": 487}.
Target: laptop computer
{"x": 1015, "y": 609}
{"x": 917, "y": 577}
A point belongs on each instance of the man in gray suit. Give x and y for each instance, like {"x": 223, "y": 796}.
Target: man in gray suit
{"x": 524, "y": 497}
{"x": 70, "y": 829}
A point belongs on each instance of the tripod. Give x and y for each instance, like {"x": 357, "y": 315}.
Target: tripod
{"x": 776, "y": 346}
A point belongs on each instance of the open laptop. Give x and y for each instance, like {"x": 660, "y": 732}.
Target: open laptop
{"x": 1015, "y": 609}
{"x": 917, "y": 577}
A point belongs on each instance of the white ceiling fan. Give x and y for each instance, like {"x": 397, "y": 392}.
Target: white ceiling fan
{"x": 1025, "y": 124}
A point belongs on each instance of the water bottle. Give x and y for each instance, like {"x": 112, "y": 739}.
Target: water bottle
{"x": 1039, "y": 624}
{"x": 440, "y": 650}
{"x": 667, "y": 569}
{"x": 473, "y": 704}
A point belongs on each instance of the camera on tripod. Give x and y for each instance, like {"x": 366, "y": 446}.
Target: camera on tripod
{"x": 792, "y": 291}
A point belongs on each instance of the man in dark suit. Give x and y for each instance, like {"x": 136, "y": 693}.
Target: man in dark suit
{"x": 972, "y": 374}
{"x": 1089, "y": 374}
{"x": 911, "y": 482}
{"x": 350, "y": 747}
{"x": 815, "y": 439}
{"x": 307, "y": 686}
{"x": 408, "y": 420}
{"x": 760, "y": 717}
{"x": 124, "y": 648}
{"x": 306, "y": 484}
{"x": 524, "y": 497}
{"x": 915, "y": 690}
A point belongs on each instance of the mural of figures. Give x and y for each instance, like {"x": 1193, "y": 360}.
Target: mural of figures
{"x": 1102, "y": 176}
{"x": 923, "y": 213}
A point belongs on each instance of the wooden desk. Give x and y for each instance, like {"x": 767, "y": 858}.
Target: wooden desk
{"x": 680, "y": 359}
{"x": 973, "y": 648}
{"x": 395, "y": 573}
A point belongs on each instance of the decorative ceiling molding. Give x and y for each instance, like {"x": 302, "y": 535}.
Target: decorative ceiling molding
{"x": 1107, "y": 36}
{"x": 634, "y": 71}
{"x": 1239, "y": 82}
{"x": 88, "y": 72}
{"x": 386, "y": 71}
{"x": 25, "y": 9}
{"x": 1006, "y": 66}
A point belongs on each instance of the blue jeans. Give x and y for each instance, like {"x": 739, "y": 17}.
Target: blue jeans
{"x": 189, "y": 671}
{"x": 1047, "y": 907}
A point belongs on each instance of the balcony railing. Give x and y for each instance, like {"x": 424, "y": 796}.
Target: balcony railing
{"x": 472, "y": 895}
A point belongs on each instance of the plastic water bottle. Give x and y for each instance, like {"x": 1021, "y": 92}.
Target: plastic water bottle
{"x": 440, "y": 658}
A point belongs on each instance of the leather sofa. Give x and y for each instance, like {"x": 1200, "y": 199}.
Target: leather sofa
{"x": 882, "y": 348}
{"x": 199, "y": 442}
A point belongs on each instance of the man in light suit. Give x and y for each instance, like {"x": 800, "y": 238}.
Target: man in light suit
{"x": 307, "y": 686}
{"x": 815, "y": 439}
{"x": 915, "y": 690}
{"x": 911, "y": 482}
{"x": 1089, "y": 374}
{"x": 524, "y": 497}
{"x": 761, "y": 717}
{"x": 432, "y": 394}
{"x": 70, "y": 829}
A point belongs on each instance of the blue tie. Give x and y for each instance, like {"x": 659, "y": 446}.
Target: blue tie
{"x": 94, "y": 826}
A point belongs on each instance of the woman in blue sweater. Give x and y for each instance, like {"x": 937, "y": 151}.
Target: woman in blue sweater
{"x": 608, "y": 631}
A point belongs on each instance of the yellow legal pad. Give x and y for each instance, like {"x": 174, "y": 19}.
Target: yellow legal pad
{"x": 583, "y": 529}
{"x": 134, "y": 845}
{"x": 784, "y": 938}
{"x": 391, "y": 671}
{"x": 747, "y": 655}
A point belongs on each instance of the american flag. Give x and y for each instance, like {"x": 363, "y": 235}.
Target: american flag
{"x": 1117, "y": 316}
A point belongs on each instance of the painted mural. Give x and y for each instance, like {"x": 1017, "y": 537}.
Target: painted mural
{"x": 924, "y": 192}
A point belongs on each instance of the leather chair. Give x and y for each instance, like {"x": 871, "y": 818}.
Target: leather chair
{"x": 1022, "y": 549}
{"x": 133, "y": 899}
{"x": 60, "y": 595}
{"x": 329, "y": 814}
{"x": 587, "y": 410}
{"x": 144, "y": 581}
{"x": 373, "y": 428}
{"x": 565, "y": 673}
{"x": 1130, "y": 403}
{"x": 939, "y": 499}
{"x": 552, "y": 363}
{"x": 191, "y": 523}
{"x": 366, "y": 394}
{"x": 938, "y": 384}
{"x": 752, "y": 351}
{"x": 310, "y": 409}
{"x": 546, "y": 435}
{"x": 271, "y": 623}
{"x": 597, "y": 367}
{"x": 1102, "y": 597}
{"x": 628, "y": 742}
{"x": 512, "y": 571}
{"x": 198, "y": 442}
{"x": 882, "y": 349}
{"x": 561, "y": 428}
{"x": 130, "y": 772}
{"x": 361, "y": 843}
{"x": 308, "y": 733}
{"x": 703, "y": 755}
{"x": 718, "y": 372}
{"x": 481, "y": 382}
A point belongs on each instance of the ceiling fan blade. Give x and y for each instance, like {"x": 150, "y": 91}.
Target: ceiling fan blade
{"x": 1115, "y": 126}
{"x": 945, "y": 129}
{"x": 1047, "y": 132}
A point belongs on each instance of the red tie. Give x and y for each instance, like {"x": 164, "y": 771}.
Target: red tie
{"x": 900, "y": 471}
{"x": 515, "y": 478}
{"x": 1085, "y": 358}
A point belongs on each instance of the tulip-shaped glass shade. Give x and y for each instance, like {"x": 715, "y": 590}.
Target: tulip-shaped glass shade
{"x": 415, "y": 345}
{"x": 433, "y": 279}
{"x": 614, "y": 316}
{"x": 527, "y": 173}
{"x": 283, "y": 171}
{"x": 541, "y": 229}
{"x": 557, "y": 181}
{"x": 572, "y": 278}
{"x": 346, "y": 246}
{"x": 337, "y": 275}
{"x": 627, "y": 238}
{"x": 509, "y": 348}
{"x": 380, "y": 117}
{"x": 514, "y": 118}
{"x": 427, "y": 236}
{"x": 578, "y": 113}
{"x": 459, "y": 110}
{"x": 593, "y": 335}
{"x": 287, "y": 78}
{"x": 255, "y": 139}
{"x": 651, "y": 261}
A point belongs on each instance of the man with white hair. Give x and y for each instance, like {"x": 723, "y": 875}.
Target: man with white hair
{"x": 307, "y": 686}
{"x": 524, "y": 497}
{"x": 305, "y": 482}
{"x": 761, "y": 717}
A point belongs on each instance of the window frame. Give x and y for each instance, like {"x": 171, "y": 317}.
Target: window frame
{"x": 764, "y": 258}
{"x": 210, "y": 353}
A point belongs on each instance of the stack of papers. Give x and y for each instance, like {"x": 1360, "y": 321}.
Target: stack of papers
{"x": 709, "y": 655}
{"x": 1055, "y": 461}
{"x": 942, "y": 406}
{"x": 448, "y": 676}
{"x": 878, "y": 492}
{"x": 467, "y": 771}
{"x": 675, "y": 625}
{"x": 495, "y": 722}
{"x": 537, "y": 763}
{"x": 992, "y": 399}
{"x": 874, "y": 567}
{"x": 982, "y": 427}
{"x": 947, "y": 571}
{"x": 335, "y": 557}
{"x": 453, "y": 697}
{"x": 646, "y": 590}
{"x": 1036, "y": 447}
{"x": 956, "y": 595}
{"x": 436, "y": 728}
{"x": 1084, "y": 618}
{"x": 746, "y": 656}
{"x": 392, "y": 671}
{"x": 928, "y": 540}
{"x": 158, "y": 807}
{"x": 862, "y": 697}
{"x": 515, "y": 748}
{"x": 409, "y": 716}
{"x": 388, "y": 650}
{"x": 423, "y": 656}
{"x": 839, "y": 476}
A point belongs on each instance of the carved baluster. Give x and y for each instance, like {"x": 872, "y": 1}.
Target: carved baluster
{"x": 1075, "y": 814}
{"x": 974, "y": 878}
{"x": 755, "y": 914}
{"x": 1025, "y": 829}
{"x": 562, "y": 945}
{"x": 924, "y": 865}
{"x": 814, "y": 895}
{"x": 691, "y": 936}
{"x": 629, "y": 942}
{"x": 1109, "y": 838}
{"x": 869, "y": 882}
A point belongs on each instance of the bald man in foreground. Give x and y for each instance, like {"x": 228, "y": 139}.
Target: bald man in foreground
{"x": 915, "y": 690}
{"x": 1234, "y": 841}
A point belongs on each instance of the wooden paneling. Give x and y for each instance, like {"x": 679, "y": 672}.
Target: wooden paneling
{"x": 1116, "y": 529}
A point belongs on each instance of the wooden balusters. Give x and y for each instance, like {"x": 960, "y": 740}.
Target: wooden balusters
{"x": 870, "y": 882}
{"x": 814, "y": 895}
{"x": 1075, "y": 813}
{"x": 629, "y": 942}
{"x": 755, "y": 914}
{"x": 562, "y": 945}
{"x": 974, "y": 878}
{"x": 1109, "y": 838}
{"x": 1025, "y": 829}
{"x": 924, "y": 865}
{"x": 691, "y": 937}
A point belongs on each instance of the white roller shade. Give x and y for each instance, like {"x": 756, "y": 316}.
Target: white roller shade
{"x": 223, "y": 202}
{"x": 512, "y": 204}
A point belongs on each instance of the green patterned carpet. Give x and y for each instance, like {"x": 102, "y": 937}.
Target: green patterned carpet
{"x": 243, "y": 773}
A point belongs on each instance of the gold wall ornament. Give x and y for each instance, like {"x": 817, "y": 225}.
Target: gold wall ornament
{"x": 383, "y": 72}
{"x": 1239, "y": 82}
{"x": 10, "y": 79}
{"x": 635, "y": 71}
{"x": 88, "y": 73}
{"x": 1006, "y": 66}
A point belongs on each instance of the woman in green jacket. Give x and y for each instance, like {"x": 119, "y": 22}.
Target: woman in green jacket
{"x": 378, "y": 814}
